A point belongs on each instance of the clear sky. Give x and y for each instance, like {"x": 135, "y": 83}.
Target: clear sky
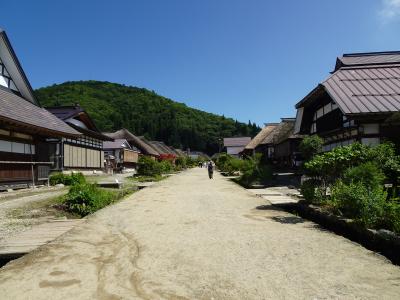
{"x": 246, "y": 59}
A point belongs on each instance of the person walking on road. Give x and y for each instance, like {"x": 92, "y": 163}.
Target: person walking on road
{"x": 210, "y": 168}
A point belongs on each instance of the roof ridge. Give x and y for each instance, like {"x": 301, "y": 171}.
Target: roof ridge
{"x": 356, "y": 54}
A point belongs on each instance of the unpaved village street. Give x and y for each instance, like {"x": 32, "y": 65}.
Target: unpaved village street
{"x": 189, "y": 237}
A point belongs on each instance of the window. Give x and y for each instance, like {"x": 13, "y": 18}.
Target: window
{"x": 326, "y": 109}
{"x": 5, "y": 146}
{"x": 5, "y": 78}
{"x": 371, "y": 128}
{"x": 313, "y": 127}
{"x": 320, "y": 112}
{"x": 15, "y": 147}
{"x": 18, "y": 148}
{"x": 370, "y": 141}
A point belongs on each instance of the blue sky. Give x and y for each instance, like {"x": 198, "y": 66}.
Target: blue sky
{"x": 246, "y": 59}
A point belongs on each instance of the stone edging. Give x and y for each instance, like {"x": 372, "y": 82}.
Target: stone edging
{"x": 384, "y": 242}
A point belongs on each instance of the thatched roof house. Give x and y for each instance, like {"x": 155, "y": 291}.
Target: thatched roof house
{"x": 135, "y": 141}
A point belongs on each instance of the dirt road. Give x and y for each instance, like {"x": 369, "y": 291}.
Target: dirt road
{"x": 189, "y": 237}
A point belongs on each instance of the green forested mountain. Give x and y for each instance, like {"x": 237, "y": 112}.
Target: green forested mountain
{"x": 113, "y": 106}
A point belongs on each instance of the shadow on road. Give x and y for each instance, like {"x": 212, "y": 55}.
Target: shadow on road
{"x": 268, "y": 207}
{"x": 288, "y": 219}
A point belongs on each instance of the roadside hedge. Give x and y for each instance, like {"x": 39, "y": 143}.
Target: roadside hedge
{"x": 71, "y": 179}
{"x": 350, "y": 181}
{"x": 84, "y": 199}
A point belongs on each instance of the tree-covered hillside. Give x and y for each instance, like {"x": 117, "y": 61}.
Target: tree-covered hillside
{"x": 114, "y": 106}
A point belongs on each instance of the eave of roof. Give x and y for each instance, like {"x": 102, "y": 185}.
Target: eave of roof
{"x": 260, "y": 137}
{"x": 67, "y": 112}
{"x": 17, "y": 111}
{"x": 361, "y": 90}
{"x": 3, "y": 34}
{"x": 236, "y": 141}
{"x": 134, "y": 141}
{"x": 91, "y": 133}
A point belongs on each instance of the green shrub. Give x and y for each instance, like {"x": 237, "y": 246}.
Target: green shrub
{"x": 254, "y": 171}
{"x": 367, "y": 173}
{"x": 357, "y": 201}
{"x": 57, "y": 178}
{"x": 331, "y": 165}
{"x": 310, "y": 146}
{"x": 391, "y": 218}
{"x": 166, "y": 166}
{"x": 310, "y": 190}
{"x": 84, "y": 199}
{"x": 181, "y": 163}
{"x": 72, "y": 179}
{"x": 148, "y": 166}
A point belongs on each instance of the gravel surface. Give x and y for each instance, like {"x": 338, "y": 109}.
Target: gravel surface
{"x": 189, "y": 237}
{"x": 10, "y": 224}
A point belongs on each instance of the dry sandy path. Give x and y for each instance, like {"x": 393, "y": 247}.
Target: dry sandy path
{"x": 189, "y": 237}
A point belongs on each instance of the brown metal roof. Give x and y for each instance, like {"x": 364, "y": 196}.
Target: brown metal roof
{"x": 365, "y": 89}
{"x": 236, "y": 141}
{"x": 18, "y": 111}
{"x": 261, "y": 136}
{"x": 372, "y": 58}
{"x": 134, "y": 140}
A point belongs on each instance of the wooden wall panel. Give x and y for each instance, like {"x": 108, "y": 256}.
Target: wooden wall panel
{"x": 67, "y": 161}
{"x": 130, "y": 156}
{"x": 78, "y": 157}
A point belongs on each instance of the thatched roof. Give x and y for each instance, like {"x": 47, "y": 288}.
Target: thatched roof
{"x": 282, "y": 132}
{"x": 261, "y": 136}
{"x": 162, "y": 148}
{"x": 180, "y": 152}
{"x": 135, "y": 141}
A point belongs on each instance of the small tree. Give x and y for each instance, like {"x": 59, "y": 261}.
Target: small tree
{"x": 310, "y": 146}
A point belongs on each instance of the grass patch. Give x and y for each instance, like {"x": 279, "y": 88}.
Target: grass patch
{"x": 85, "y": 199}
{"x": 154, "y": 178}
{"x": 51, "y": 207}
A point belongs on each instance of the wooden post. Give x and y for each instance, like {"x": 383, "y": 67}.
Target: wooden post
{"x": 33, "y": 176}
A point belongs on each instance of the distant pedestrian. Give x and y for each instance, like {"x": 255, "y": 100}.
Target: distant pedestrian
{"x": 210, "y": 168}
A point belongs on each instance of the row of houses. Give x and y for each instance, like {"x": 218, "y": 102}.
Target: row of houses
{"x": 358, "y": 102}
{"x": 35, "y": 140}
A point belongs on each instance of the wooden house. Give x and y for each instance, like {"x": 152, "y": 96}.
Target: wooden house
{"x": 24, "y": 126}
{"x": 122, "y": 155}
{"x": 359, "y": 101}
{"x": 257, "y": 144}
{"x": 140, "y": 143}
{"x": 235, "y": 145}
{"x": 84, "y": 153}
{"x": 165, "y": 152}
{"x": 286, "y": 144}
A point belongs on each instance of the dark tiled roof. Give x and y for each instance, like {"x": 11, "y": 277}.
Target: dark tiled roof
{"x": 19, "y": 111}
{"x": 365, "y": 89}
{"x": 261, "y": 136}
{"x": 91, "y": 133}
{"x": 372, "y": 58}
{"x": 236, "y": 141}
{"x": 65, "y": 112}
{"x": 134, "y": 140}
